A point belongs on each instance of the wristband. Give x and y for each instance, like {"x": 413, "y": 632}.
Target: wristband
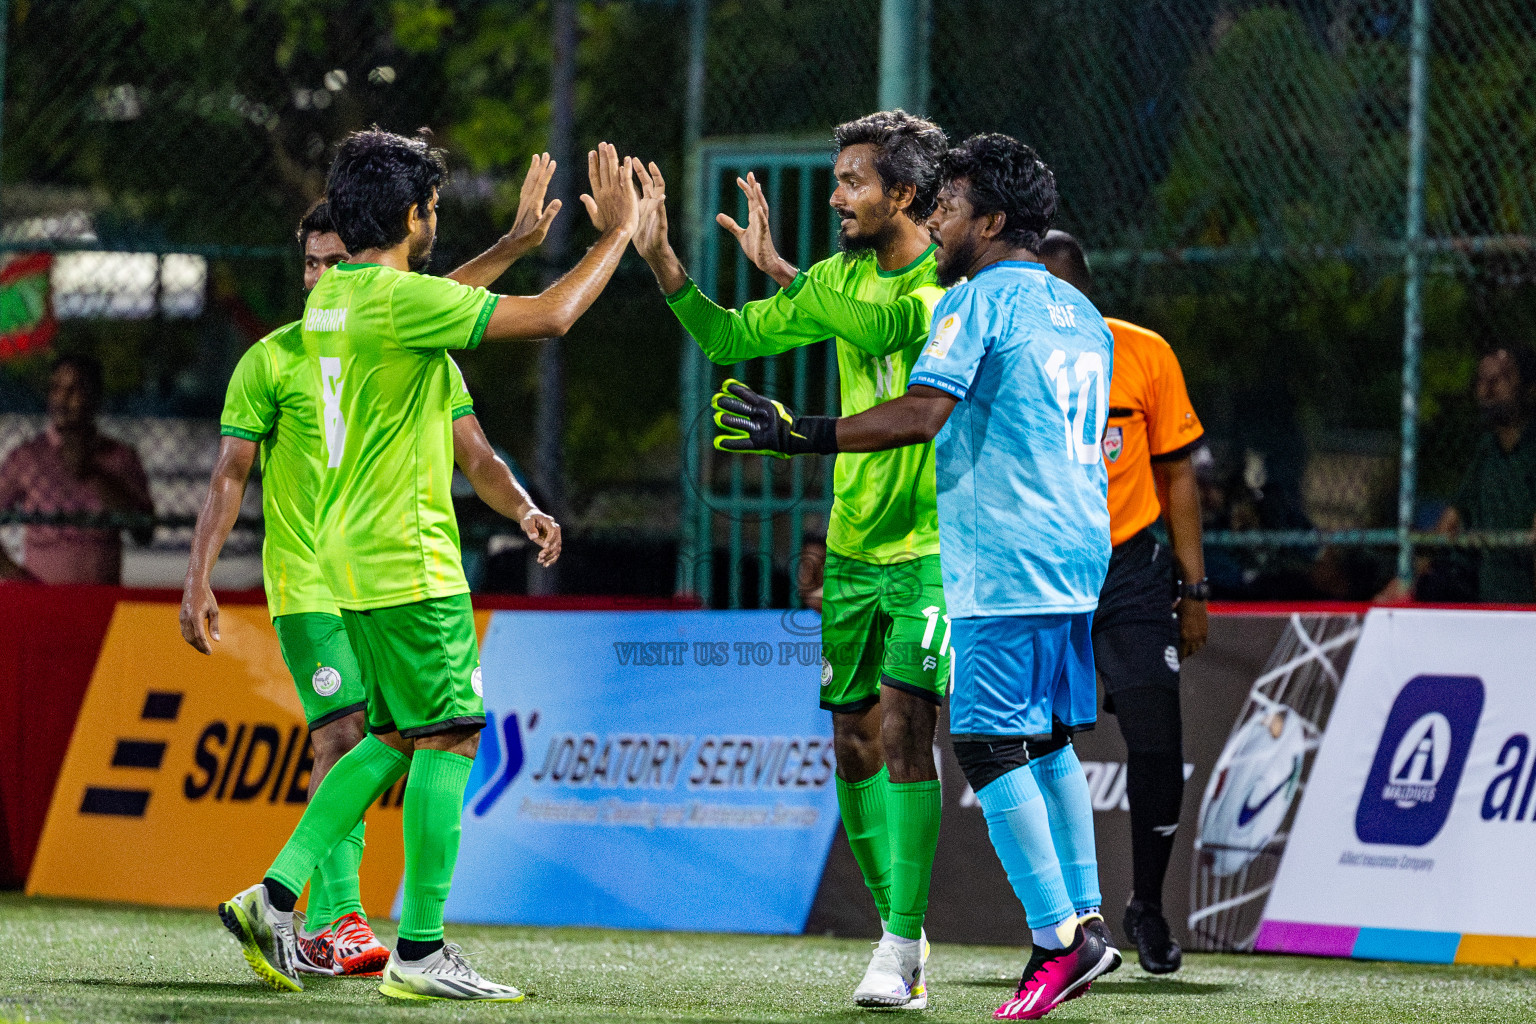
{"x": 1200, "y": 590}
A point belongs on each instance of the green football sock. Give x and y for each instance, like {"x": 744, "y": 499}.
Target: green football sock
{"x": 434, "y": 802}
{"x": 914, "y": 827}
{"x": 317, "y": 917}
{"x": 864, "y": 820}
{"x": 354, "y": 782}
{"x": 339, "y": 873}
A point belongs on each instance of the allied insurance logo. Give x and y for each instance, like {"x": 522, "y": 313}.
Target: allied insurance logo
{"x": 1419, "y": 760}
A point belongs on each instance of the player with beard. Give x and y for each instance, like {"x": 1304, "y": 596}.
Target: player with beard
{"x": 387, "y": 541}
{"x": 1014, "y": 385}
{"x": 272, "y": 407}
{"x": 884, "y": 639}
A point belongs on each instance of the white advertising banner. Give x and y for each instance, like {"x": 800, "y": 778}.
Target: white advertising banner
{"x": 1416, "y": 836}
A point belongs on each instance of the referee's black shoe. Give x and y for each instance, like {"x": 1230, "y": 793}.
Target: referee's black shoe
{"x": 1145, "y": 926}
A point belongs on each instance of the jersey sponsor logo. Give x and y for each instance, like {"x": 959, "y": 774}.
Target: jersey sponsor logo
{"x": 1114, "y": 443}
{"x": 944, "y": 336}
{"x": 330, "y": 400}
{"x": 826, "y": 672}
{"x": 1171, "y": 658}
{"x": 326, "y": 681}
{"x": 325, "y": 319}
{"x": 1419, "y": 759}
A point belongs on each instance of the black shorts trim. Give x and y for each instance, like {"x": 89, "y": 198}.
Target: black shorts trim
{"x": 446, "y": 725}
{"x": 380, "y": 730}
{"x": 329, "y": 717}
{"x": 1181, "y": 452}
{"x": 1039, "y": 737}
{"x": 853, "y": 707}
{"x": 916, "y": 691}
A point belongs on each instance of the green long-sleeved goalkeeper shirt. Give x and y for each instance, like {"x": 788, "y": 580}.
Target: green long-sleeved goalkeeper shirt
{"x": 884, "y": 507}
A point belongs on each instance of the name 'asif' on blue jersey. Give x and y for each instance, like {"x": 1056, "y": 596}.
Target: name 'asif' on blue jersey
{"x": 1022, "y": 489}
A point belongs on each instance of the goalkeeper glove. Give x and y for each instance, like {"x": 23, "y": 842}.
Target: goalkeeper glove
{"x": 751, "y": 424}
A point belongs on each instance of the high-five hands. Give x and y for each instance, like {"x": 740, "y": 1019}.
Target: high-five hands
{"x": 756, "y": 239}
{"x": 753, "y": 424}
{"x": 651, "y": 234}
{"x": 534, "y": 216}
{"x": 612, "y": 204}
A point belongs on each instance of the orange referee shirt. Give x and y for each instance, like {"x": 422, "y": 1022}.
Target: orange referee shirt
{"x": 1150, "y": 420}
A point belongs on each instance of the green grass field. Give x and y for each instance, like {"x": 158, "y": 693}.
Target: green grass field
{"x": 62, "y": 961}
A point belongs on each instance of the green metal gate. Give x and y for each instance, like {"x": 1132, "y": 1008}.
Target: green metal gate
{"x": 744, "y": 519}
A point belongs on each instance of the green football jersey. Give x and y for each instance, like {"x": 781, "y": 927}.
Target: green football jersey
{"x": 272, "y": 400}
{"x": 884, "y": 503}
{"x": 385, "y": 529}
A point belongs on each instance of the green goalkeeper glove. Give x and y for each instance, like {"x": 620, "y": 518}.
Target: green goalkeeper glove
{"x": 751, "y": 424}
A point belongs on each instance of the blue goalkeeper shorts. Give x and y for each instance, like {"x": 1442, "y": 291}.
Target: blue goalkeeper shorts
{"x": 1014, "y": 673}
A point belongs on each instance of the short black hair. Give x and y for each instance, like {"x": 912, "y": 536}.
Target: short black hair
{"x": 1524, "y": 358}
{"x": 316, "y": 221}
{"x": 909, "y": 150}
{"x": 1005, "y": 176}
{"x": 89, "y": 369}
{"x": 1058, "y": 246}
{"x": 376, "y": 178}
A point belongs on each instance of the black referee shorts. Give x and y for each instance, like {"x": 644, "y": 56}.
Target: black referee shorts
{"x": 1135, "y": 632}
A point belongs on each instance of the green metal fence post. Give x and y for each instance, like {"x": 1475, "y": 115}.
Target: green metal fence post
{"x": 904, "y": 54}
{"x": 1413, "y": 297}
{"x": 689, "y": 541}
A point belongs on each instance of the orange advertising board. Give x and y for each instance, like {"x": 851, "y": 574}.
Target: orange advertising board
{"x": 186, "y": 773}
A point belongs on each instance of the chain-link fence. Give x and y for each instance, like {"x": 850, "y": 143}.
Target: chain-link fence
{"x": 1240, "y": 172}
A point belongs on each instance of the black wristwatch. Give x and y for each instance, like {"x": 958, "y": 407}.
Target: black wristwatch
{"x": 1200, "y": 590}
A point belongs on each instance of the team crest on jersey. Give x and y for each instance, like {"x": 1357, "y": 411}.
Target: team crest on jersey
{"x": 326, "y": 681}
{"x": 477, "y": 682}
{"x": 1114, "y": 443}
{"x": 944, "y": 336}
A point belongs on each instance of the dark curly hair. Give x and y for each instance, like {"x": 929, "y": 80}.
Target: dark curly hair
{"x": 1002, "y": 175}
{"x": 908, "y": 151}
{"x": 376, "y": 178}
{"x": 316, "y": 221}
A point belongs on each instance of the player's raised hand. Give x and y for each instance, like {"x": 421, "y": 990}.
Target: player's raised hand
{"x": 545, "y": 532}
{"x": 756, "y": 239}
{"x": 651, "y": 232}
{"x": 534, "y": 216}
{"x": 612, "y": 203}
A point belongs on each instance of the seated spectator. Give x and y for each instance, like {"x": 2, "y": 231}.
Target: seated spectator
{"x": 72, "y": 468}
{"x": 1498, "y": 492}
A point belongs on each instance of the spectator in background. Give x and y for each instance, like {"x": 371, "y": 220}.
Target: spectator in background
{"x": 72, "y": 468}
{"x": 1499, "y": 489}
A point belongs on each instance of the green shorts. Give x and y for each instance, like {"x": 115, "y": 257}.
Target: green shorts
{"x": 882, "y": 624}
{"x": 421, "y": 665}
{"x": 316, "y": 650}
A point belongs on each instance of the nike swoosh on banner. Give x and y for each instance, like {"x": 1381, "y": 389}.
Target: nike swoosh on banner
{"x": 1246, "y": 814}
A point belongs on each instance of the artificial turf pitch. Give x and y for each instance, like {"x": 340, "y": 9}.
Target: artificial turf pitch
{"x": 68, "y": 962}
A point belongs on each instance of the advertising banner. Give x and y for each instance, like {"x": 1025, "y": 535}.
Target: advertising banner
{"x": 648, "y": 770}
{"x": 186, "y": 773}
{"x": 1413, "y": 841}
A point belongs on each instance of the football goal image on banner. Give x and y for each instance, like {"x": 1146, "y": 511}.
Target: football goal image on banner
{"x": 1252, "y": 793}
{"x": 1414, "y": 841}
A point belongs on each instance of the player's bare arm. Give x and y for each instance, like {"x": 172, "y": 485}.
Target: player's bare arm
{"x": 614, "y": 208}
{"x": 493, "y": 481}
{"x": 756, "y": 239}
{"x": 753, "y": 424}
{"x": 199, "y": 608}
{"x": 529, "y": 228}
{"x": 651, "y": 240}
{"x": 1176, "y": 480}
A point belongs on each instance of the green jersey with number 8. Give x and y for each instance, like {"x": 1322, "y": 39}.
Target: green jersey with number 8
{"x": 385, "y": 529}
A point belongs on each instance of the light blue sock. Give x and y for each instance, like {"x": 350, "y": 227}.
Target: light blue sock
{"x": 1070, "y": 807}
{"x": 1021, "y": 835}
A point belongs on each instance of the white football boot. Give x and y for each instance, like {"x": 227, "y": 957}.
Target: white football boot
{"x": 894, "y": 978}
{"x": 266, "y": 937}
{"x": 444, "y": 974}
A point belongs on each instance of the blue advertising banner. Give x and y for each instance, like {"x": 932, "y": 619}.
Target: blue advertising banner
{"x": 663, "y": 770}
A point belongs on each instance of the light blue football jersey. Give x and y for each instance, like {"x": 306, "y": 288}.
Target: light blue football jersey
{"x": 1023, "y": 506}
